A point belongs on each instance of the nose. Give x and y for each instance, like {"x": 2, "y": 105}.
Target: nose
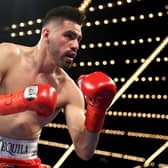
{"x": 74, "y": 45}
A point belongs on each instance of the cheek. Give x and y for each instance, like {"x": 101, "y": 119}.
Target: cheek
{"x": 57, "y": 45}
{"x": 52, "y": 47}
{"x": 61, "y": 46}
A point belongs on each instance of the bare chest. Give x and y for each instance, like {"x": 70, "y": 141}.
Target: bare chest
{"x": 20, "y": 77}
{"x": 29, "y": 123}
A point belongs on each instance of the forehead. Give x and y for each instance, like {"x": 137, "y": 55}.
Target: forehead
{"x": 70, "y": 26}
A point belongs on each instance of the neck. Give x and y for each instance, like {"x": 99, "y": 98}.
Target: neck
{"x": 45, "y": 62}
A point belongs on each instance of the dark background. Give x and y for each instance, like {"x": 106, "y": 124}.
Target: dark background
{"x": 145, "y": 116}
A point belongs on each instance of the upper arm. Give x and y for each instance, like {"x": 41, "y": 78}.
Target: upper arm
{"x": 5, "y": 59}
{"x": 75, "y": 96}
{"x": 75, "y": 108}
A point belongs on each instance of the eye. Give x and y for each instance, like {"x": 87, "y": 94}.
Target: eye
{"x": 69, "y": 36}
{"x": 79, "y": 39}
{"x": 72, "y": 36}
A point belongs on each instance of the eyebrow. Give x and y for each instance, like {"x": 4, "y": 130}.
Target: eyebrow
{"x": 75, "y": 34}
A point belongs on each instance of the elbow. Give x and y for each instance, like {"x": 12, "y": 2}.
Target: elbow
{"x": 84, "y": 154}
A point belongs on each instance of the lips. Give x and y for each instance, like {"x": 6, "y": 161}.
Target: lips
{"x": 70, "y": 56}
{"x": 68, "y": 59}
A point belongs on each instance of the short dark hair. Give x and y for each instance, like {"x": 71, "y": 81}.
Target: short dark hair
{"x": 65, "y": 13}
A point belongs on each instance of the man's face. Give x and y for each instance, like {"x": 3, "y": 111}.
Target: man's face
{"x": 63, "y": 42}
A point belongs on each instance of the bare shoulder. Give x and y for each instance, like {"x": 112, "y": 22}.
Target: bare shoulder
{"x": 12, "y": 52}
{"x": 7, "y": 46}
{"x": 9, "y": 54}
{"x": 6, "y": 59}
{"x": 8, "y": 49}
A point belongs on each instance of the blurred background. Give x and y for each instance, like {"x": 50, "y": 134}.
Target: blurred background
{"x": 127, "y": 39}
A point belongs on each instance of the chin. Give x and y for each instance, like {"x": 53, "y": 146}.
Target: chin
{"x": 66, "y": 66}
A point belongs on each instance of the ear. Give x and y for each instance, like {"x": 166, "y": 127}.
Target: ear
{"x": 45, "y": 33}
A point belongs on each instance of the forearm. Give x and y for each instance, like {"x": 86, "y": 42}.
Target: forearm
{"x": 99, "y": 90}
{"x": 85, "y": 142}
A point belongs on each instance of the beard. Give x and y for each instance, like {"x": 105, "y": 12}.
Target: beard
{"x": 61, "y": 60}
{"x": 66, "y": 60}
{"x": 65, "y": 64}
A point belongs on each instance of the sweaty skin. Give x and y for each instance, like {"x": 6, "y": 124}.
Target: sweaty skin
{"x": 21, "y": 66}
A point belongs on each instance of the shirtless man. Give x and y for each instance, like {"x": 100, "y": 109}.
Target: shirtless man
{"x": 34, "y": 87}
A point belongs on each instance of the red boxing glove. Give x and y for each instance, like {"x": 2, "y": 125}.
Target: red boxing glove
{"x": 99, "y": 90}
{"x": 40, "y": 98}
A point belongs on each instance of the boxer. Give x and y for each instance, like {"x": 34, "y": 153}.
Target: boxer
{"x": 35, "y": 88}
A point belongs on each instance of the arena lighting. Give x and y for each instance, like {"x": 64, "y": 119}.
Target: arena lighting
{"x": 97, "y": 152}
{"x": 84, "y": 5}
{"x": 110, "y": 5}
{"x": 141, "y": 69}
{"x": 97, "y": 63}
{"x": 121, "y": 91}
{"x": 126, "y": 19}
{"x": 82, "y": 8}
{"x": 53, "y": 144}
{"x": 155, "y": 154}
{"x": 121, "y": 42}
{"x": 145, "y": 96}
{"x": 120, "y": 155}
{"x": 117, "y": 132}
{"x": 94, "y": 23}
